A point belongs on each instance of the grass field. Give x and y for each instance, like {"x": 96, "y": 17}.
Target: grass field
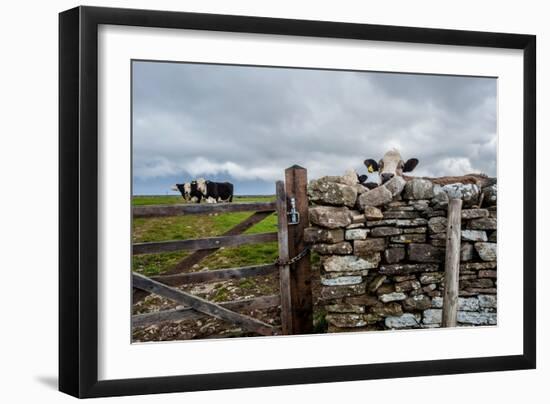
{"x": 198, "y": 226}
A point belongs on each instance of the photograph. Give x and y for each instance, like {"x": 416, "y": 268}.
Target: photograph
{"x": 281, "y": 200}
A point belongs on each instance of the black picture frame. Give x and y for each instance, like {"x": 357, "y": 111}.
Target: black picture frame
{"x": 78, "y": 201}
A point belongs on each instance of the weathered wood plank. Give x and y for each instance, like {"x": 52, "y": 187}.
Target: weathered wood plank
{"x": 216, "y": 275}
{"x": 198, "y": 208}
{"x": 452, "y": 264}
{"x": 203, "y": 243}
{"x": 202, "y": 305}
{"x": 187, "y": 313}
{"x": 284, "y": 270}
{"x": 300, "y": 272}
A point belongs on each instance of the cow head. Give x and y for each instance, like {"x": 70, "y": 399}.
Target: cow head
{"x": 184, "y": 189}
{"x": 201, "y": 186}
{"x": 391, "y": 165}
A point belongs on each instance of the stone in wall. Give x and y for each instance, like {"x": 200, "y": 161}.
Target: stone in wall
{"x": 405, "y": 269}
{"x": 417, "y": 303}
{"x": 418, "y": 189}
{"x": 466, "y": 251}
{"x": 469, "y": 193}
{"x": 487, "y": 273}
{"x": 407, "y": 286}
{"x": 350, "y": 263}
{"x": 474, "y": 213}
{"x": 327, "y": 192}
{"x": 352, "y": 320}
{"x": 368, "y": 246}
{"x": 342, "y": 280}
{"x": 464, "y": 304}
{"x": 477, "y": 283}
{"x": 476, "y": 318}
{"x": 406, "y": 320}
{"x": 320, "y": 235}
{"x": 356, "y": 234}
{"x": 408, "y": 238}
{"x": 476, "y": 266}
{"x": 385, "y": 231}
{"x": 394, "y": 255}
{"x": 484, "y": 223}
{"x": 437, "y": 224}
{"x": 440, "y": 199}
{"x": 473, "y": 235}
{"x": 415, "y": 230}
{"x": 431, "y": 277}
{"x": 373, "y": 213}
{"x": 364, "y": 300}
{"x": 488, "y": 301}
{"x": 376, "y": 283}
{"x": 432, "y": 316}
{"x": 385, "y": 310}
{"x": 345, "y": 308}
{"x": 395, "y": 185}
{"x": 392, "y": 297}
{"x": 375, "y": 197}
{"x": 336, "y": 292}
{"x": 330, "y": 217}
{"x": 490, "y": 195}
{"x": 341, "y": 248}
{"x": 411, "y": 222}
{"x": 426, "y": 253}
{"x": 486, "y": 251}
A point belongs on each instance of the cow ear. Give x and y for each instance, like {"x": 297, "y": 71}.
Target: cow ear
{"x": 410, "y": 165}
{"x": 371, "y": 165}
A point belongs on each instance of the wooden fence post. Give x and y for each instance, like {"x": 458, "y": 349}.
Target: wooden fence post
{"x": 284, "y": 270}
{"x": 300, "y": 272}
{"x": 452, "y": 264}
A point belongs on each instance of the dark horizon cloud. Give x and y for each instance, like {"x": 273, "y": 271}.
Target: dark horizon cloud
{"x": 247, "y": 124}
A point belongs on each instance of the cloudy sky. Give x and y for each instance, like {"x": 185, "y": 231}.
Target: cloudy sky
{"x": 246, "y": 124}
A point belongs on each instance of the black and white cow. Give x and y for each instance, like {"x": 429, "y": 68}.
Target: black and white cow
{"x": 218, "y": 191}
{"x": 189, "y": 191}
{"x": 212, "y": 192}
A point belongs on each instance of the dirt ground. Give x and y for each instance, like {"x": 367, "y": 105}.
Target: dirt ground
{"x": 219, "y": 292}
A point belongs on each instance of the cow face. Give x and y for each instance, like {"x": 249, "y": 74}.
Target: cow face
{"x": 201, "y": 186}
{"x": 184, "y": 189}
{"x": 391, "y": 165}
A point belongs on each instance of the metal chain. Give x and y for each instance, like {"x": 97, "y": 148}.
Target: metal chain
{"x": 293, "y": 260}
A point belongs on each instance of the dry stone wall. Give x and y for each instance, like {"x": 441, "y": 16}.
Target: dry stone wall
{"x": 382, "y": 252}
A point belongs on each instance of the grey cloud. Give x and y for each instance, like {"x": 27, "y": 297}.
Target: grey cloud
{"x": 249, "y": 123}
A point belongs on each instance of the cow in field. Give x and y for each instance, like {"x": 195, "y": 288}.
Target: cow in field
{"x": 216, "y": 191}
{"x": 189, "y": 191}
{"x": 393, "y": 165}
{"x": 210, "y": 191}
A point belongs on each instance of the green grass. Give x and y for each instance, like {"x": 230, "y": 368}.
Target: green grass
{"x": 140, "y": 200}
{"x": 198, "y": 226}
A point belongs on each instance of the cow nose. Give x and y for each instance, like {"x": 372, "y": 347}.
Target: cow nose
{"x": 386, "y": 177}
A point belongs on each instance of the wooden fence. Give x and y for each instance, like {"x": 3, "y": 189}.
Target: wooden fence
{"x": 295, "y": 277}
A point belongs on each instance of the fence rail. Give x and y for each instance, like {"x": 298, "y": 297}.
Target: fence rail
{"x": 187, "y": 313}
{"x": 202, "y": 243}
{"x": 195, "y": 209}
{"x": 216, "y": 275}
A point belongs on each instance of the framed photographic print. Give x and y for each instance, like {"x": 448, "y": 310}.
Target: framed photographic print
{"x": 250, "y": 201}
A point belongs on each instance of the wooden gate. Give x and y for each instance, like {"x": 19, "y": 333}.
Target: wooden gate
{"x": 293, "y": 264}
